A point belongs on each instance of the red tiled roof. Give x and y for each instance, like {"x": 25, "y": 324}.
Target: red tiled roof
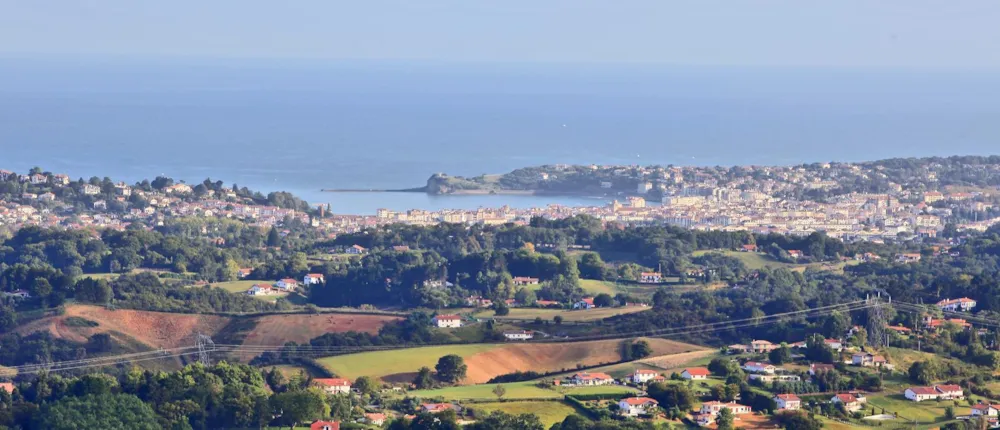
{"x": 847, "y": 398}
{"x": 591, "y": 376}
{"x": 333, "y": 382}
{"x": 7, "y": 386}
{"x": 697, "y": 371}
{"x": 319, "y": 425}
{"x": 948, "y": 388}
{"x": 448, "y": 317}
{"x": 923, "y": 390}
{"x": 788, "y": 397}
{"x": 634, "y": 401}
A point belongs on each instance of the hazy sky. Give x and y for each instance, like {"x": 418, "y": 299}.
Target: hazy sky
{"x": 850, "y": 33}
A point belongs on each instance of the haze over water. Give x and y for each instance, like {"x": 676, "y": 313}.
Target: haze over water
{"x": 301, "y": 127}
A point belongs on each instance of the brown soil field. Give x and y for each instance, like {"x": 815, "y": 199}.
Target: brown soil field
{"x": 154, "y": 329}
{"x": 278, "y": 329}
{"x": 673, "y": 361}
{"x": 552, "y": 357}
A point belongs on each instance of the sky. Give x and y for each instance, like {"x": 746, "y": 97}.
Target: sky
{"x": 841, "y": 33}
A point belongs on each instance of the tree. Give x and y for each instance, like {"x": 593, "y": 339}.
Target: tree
{"x": 817, "y": 349}
{"x": 365, "y": 385}
{"x": 451, "y": 368}
{"x": 273, "y": 239}
{"x": 499, "y": 391}
{"x": 949, "y": 413}
{"x": 106, "y": 411}
{"x": 603, "y": 300}
{"x": 799, "y": 421}
{"x": 725, "y": 419}
{"x": 300, "y": 406}
{"x": 525, "y": 297}
{"x": 558, "y": 319}
{"x": 781, "y": 355}
{"x": 499, "y": 420}
{"x": 671, "y": 395}
{"x": 923, "y": 372}
{"x": 640, "y": 349}
{"x": 591, "y": 266}
{"x": 424, "y": 378}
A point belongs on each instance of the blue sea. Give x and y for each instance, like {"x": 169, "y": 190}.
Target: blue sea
{"x": 302, "y": 126}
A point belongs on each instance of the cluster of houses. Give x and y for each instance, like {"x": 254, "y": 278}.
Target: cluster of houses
{"x": 764, "y": 346}
{"x": 287, "y": 285}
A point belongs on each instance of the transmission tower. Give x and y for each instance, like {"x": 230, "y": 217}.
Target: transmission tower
{"x": 205, "y": 347}
{"x": 877, "y": 335}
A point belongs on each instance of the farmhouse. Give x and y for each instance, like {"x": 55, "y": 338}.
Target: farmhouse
{"x": 585, "y": 303}
{"x": 865, "y": 359}
{"x": 260, "y": 290}
{"x": 650, "y": 277}
{"x": 375, "y": 419}
{"x": 851, "y": 402}
{"x": 595, "y": 378}
{"x": 313, "y": 279}
{"x": 334, "y": 385}
{"x": 356, "y": 250}
{"x": 635, "y": 406}
{"x": 762, "y": 346}
{"x": 286, "y": 284}
{"x": 519, "y": 335}
{"x": 710, "y": 410}
{"x": 963, "y": 304}
{"x": 449, "y": 321}
{"x": 642, "y": 376}
{"x": 243, "y": 272}
{"x": 919, "y": 394}
{"x": 524, "y": 280}
{"x": 695, "y": 373}
{"x": 950, "y": 392}
{"x": 788, "y": 402}
{"x": 986, "y": 410}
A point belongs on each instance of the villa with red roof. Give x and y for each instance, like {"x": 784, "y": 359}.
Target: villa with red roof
{"x": 592, "y": 378}
{"x": 788, "y": 402}
{"x": 448, "y": 321}
{"x": 334, "y": 385}
{"x": 635, "y": 406}
{"x": 695, "y": 373}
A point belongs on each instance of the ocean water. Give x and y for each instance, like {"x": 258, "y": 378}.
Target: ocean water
{"x": 304, "y": 126}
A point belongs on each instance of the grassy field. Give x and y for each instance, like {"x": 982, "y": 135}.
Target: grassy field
{"x": 924, "y": 412}
{"x": 567, "y": 315}
{"x": 381, "y": 363}
{"x": 237, "y": 286}
{"x": 548, "y": 412}
{"x": 594, "y": 287}
{"x": 288, "y": 370}
{"x": 515, "y": 391}
{"x": 610, "y": 390}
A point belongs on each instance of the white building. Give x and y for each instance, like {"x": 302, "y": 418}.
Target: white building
{"x": 286, "y": 284}
{"x": 313, "y": 279}
{"x": 650, "y": 277}
{"x": 644, "y": 187}
{"x": 260, "y": 290}
{"x": 592, "y": 378}
{"x": 642, "y": 376}
{"x": 448, "y": 321}
{"x": 788, "y": 402}
{"x": 635, "y": 406}
{"x": 963, "y": 304}
{"x": 334, "y": 385}
{"x": 695, "y": 373}
{"x": 519, "y": 335}
{"x": 851, "y": 402}
{"x": 919, "y": 394}
{"x": 758, "y": 367}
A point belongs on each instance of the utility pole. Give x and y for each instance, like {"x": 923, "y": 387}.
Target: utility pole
{"x": 877, "y": 336}
{"x": 205, "y": 347}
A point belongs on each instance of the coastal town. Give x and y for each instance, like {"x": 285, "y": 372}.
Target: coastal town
{"x": 782, "y": 200}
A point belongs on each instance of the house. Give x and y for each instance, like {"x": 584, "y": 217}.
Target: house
{"x": 243, "y": 272}
{"x": 934, "y": 323}
{"x": 375, "y": 419}
{"x": 47, "y": 197}
{"x": 313, "y": 279}
{"x": 985, "y": 410}
{"x": 758, "y": 367}
{"x": 762, "y": 346}
{"x": 401, "y": 248}
{"x": 356, "y": 250}
{"x": 695, "y": 373}
{"x": 38, "y": 179}
{"x": 524, "y": 280}
{"x": 710, "y": 410}
{"x": 650, "y": 277}
{"x": 788, "y": 402}
{"x": 7, "y": 386}
{"x": 738, "y": 349}
{"x": 795, "y": 254}
{"x": 585, "y": 303}
{"x": 325, "y": 425}
{"x": 334, "y": 385}
{"x": 815, "y": 369}
{"x": 908, "y": 258}
{"x": 768, "y": 377}
{"x": 851, "y": 402}
{"x": 642, "y": 376}
{"x": 865, "y": 359}
{"x": 963, "y": 304}
{"x": 592, "y": 378}
{"x": 749, "y": 248}
{"x": 448, "y": 321}
{"x": 260, "y": 290}
{"x": 90, "y": 190}
{"x": 635, "y": 406}
{"x": 919, "y": 394}
{"x": 4, "y": 174}
{"x": 434, "y": 408}
{"x": 519, "y": 335}
{"x": 950, "y": 392}
{"x": 834, "y": 344}
{"x": 286, "y": 284}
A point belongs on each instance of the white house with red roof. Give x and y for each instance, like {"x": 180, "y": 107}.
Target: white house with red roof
{"x": 592, "y": 378}
{"x": 286, "y": 285}
{"x": 438, "y": 407}
{"x": 963, "y": 304}
{"x": 334, "y": 385}
{"x": 448, "y": 321}
{"x": 695, "y": 373}
{"x": 356, "y": 250}
{"x": 985, "y": 410}
{"x": 635, "y": 406}
{"x": 788, "y": 402}
{"x": 585, "y": 303}
{"x": 851, "y": 402}
{"x": 260, "y": 290}
{"x": 710, "y": 410}
{"x": 650, "y": 277}
{"x": 919, "y": 394}
{"x": 7, "y": 386}
{"x": 313, "y": 279}
{"x": 817, "y": 368}
{"x": 950, "y": 392}
{"x": 642, "y": 376}
{"x": 762, "y": 346}
{"x": 325, "y": 425}
{"x": 243, "y": 272}
{"x": 375, "y": 419}
{"x": 524, "y": 280}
